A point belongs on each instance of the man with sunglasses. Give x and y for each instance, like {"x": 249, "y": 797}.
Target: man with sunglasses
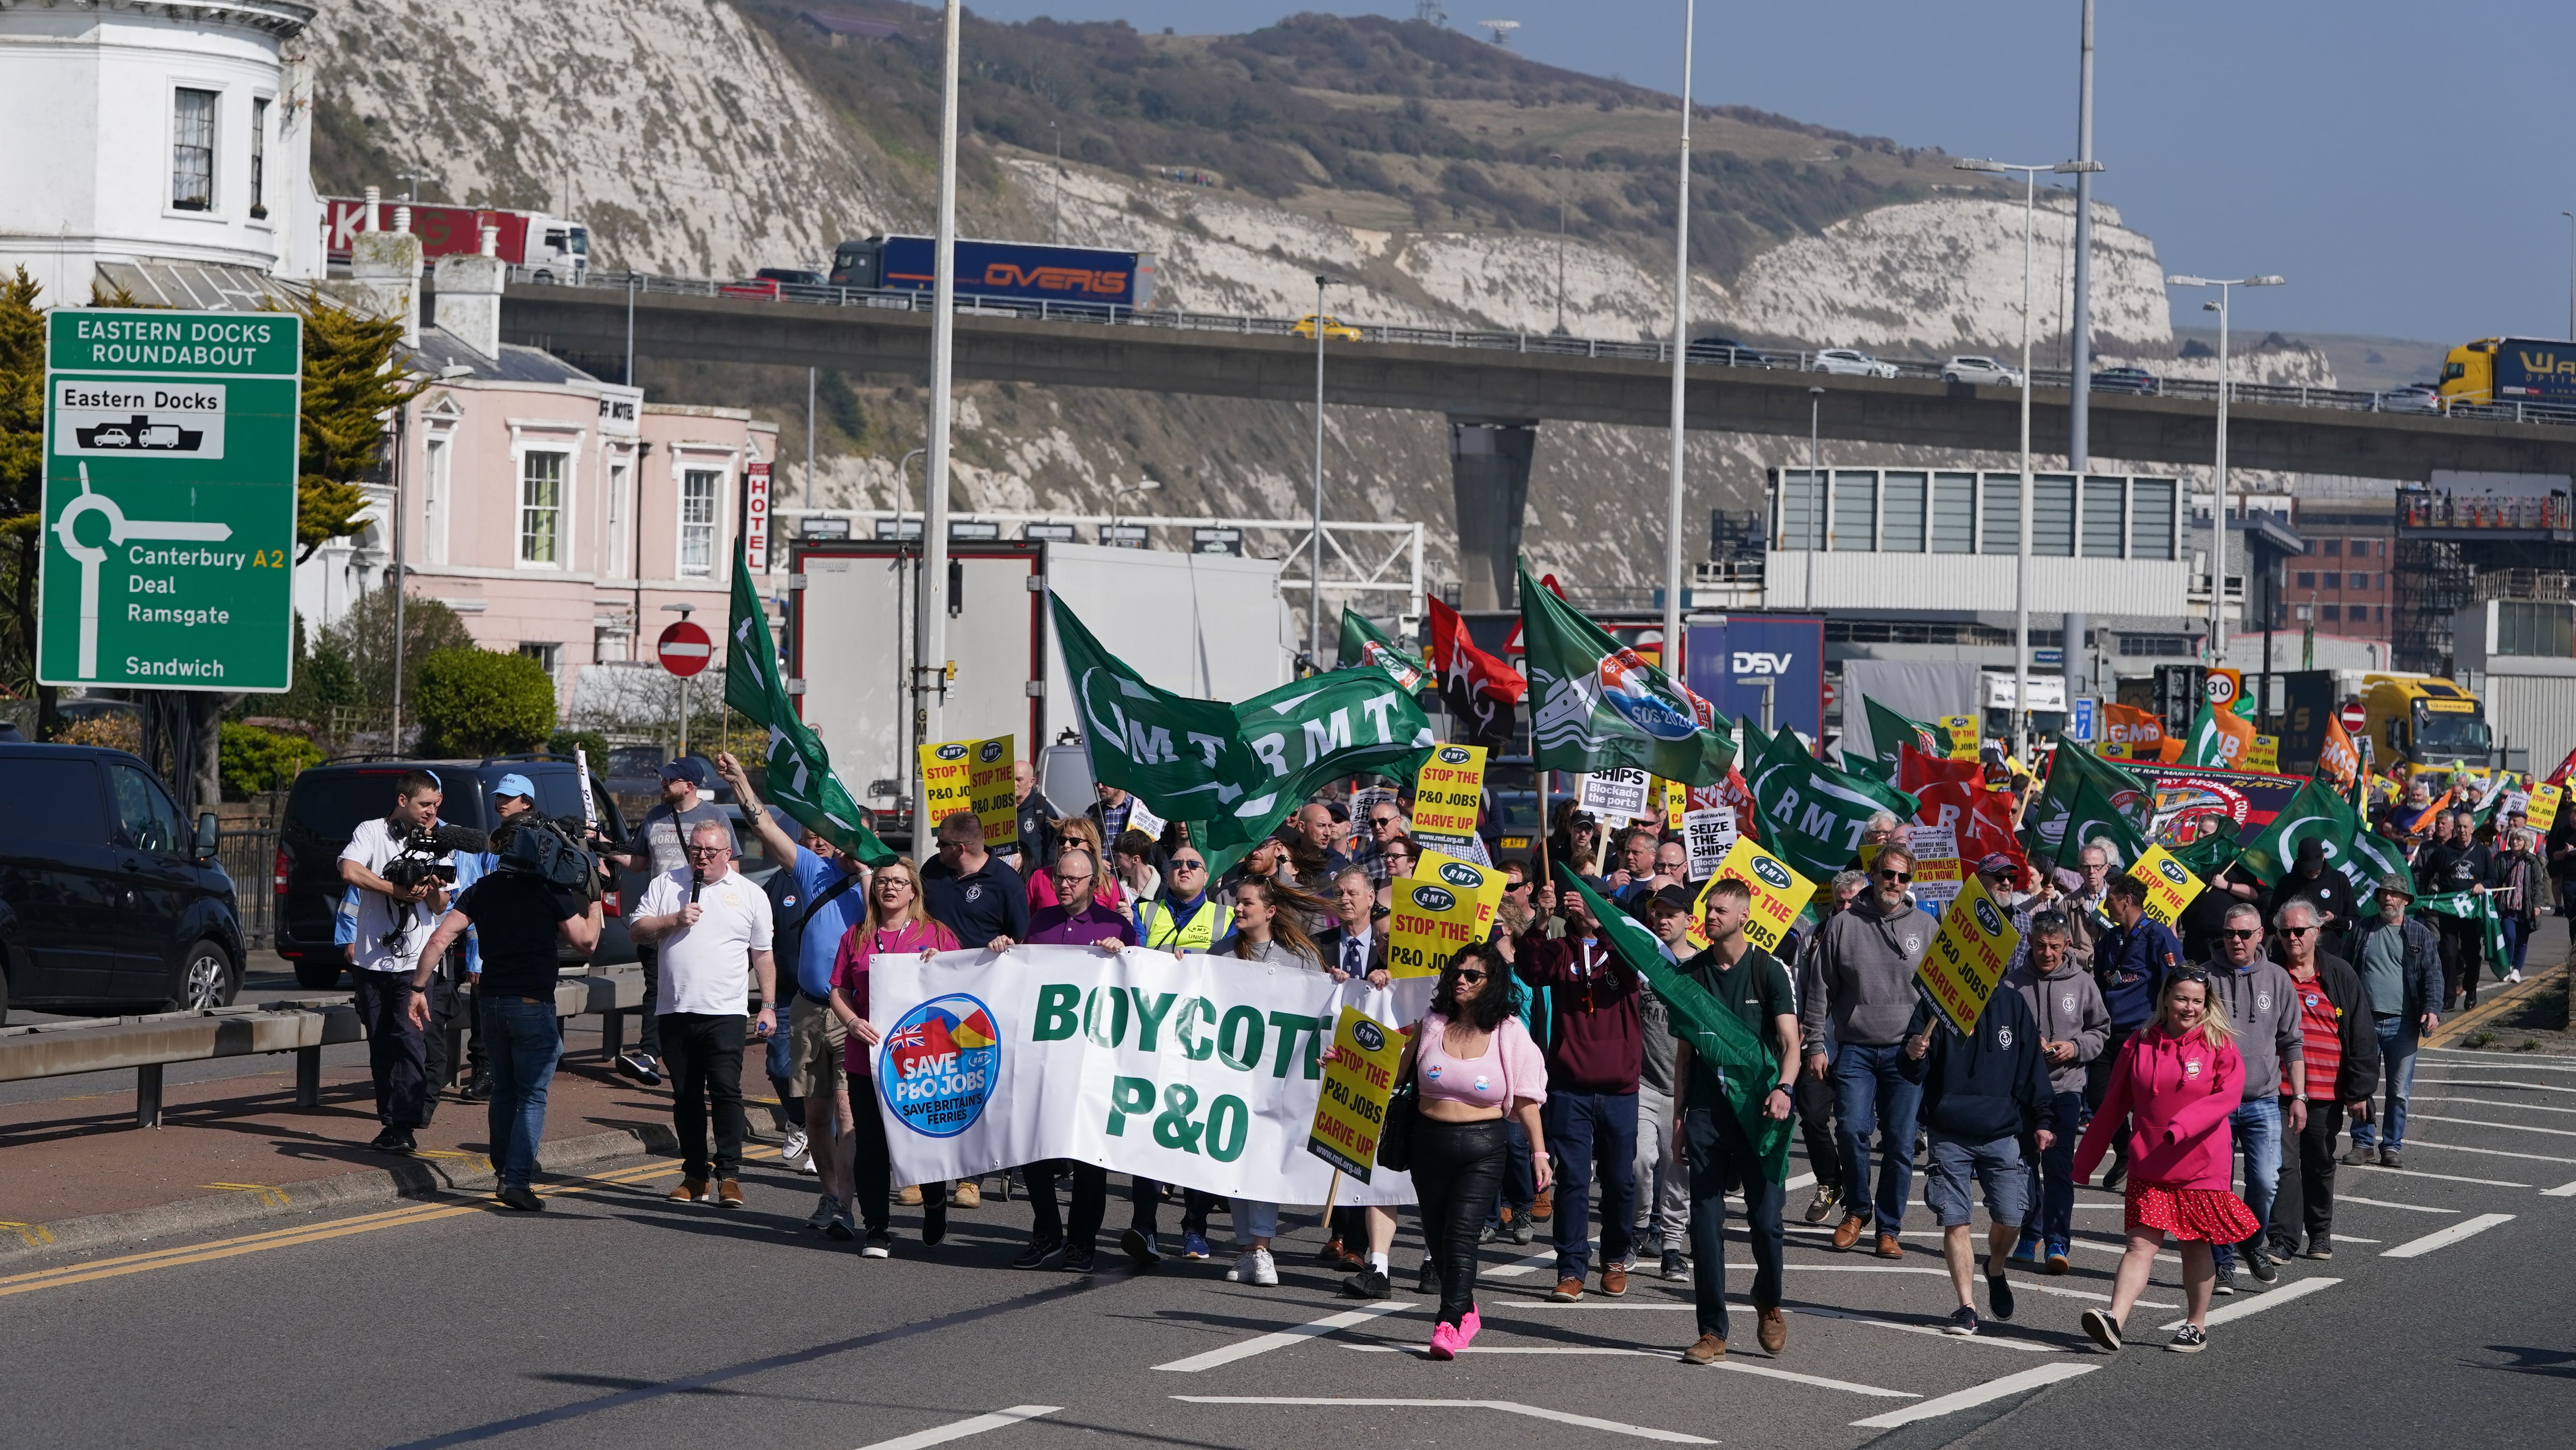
{"x": 2341, "y": 1071}
{"x": 1385, "y": 825}
{"x": 1864, "y": 995}
{"x": 2262, "y": 1012}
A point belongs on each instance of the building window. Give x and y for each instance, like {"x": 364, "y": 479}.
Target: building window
{"x": 2002, "y": 531}
{"x": 2105, "y": 516}
{"x": 1801, "y": 524}
{"x": 698, "y": 521}
{"x": 541, "y": 505}
{"x": 1901, "y": 502}
{"x": 2332, "y": 612}
{"x": 433, "y": 498}
{"x": 2151, "y": 518}
{"x": 2155, "y": 646}
{"x": 2334, "y": 547}
{"x": 1855, "y": 511}
{"x": 617, "y": 475}
{"x": 2360, "y": 581}
{"x": 2307, "y": 579}
{"x": 192, "y": 151}
{"x": 544, "y": 654}
{"x": 1954, "y": 513}
{"x": 259, "y": 160}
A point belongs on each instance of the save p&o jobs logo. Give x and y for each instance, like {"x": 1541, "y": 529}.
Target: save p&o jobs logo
{"x": 939, "y": 1065}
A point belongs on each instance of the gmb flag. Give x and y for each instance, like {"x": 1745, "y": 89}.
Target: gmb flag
{"x": 1812, "y": 814}
{"x": 1595, "y": 704}
{"x": 800, "y": 777}
{"x": 1239, "y": 769}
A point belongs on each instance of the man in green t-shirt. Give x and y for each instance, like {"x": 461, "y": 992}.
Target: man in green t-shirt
{"x": 1751, "y": 983}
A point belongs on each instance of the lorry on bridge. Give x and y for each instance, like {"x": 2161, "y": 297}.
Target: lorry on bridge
{"x": 1013, "y": 271}
{"x": 554, "y": 249}
{"x": 2510, "y": 370}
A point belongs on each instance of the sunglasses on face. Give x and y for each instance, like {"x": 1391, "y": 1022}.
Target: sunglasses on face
{"x": 2296, "y": 930}
{"x": 2192, "y": 974}
{"x": 1471, "y": 975}
{"x": 1189, "y": 865}
{"x": 2239, "y": 934}
{"x": 1898, "y": 876}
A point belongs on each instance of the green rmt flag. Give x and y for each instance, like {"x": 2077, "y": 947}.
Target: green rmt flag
{"x": 800, "y": 777}
{"x": 1813, "y": 814}
{"x": 1595, "y": 704}
{"x": 1364, "y": 643}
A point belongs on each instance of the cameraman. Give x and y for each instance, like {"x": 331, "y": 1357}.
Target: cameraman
{"x": 392, "y": 922}
{"x": 515, "y": 915}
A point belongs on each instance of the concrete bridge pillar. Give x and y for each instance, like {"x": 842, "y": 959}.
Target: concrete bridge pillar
{"x": 1489, "y": 469}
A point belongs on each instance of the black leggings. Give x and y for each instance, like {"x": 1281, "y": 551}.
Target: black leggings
{"x": 1457, "y": 1174}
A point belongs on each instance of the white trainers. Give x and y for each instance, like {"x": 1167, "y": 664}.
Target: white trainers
{"x": 794, "y": 1147}
{"x": 1265, "y": 1269}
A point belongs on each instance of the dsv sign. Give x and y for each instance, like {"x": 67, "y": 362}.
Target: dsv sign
{"x": 1759, "y": 662}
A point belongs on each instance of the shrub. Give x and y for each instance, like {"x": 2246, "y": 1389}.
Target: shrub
{"x": 256, "y": 760}
{"x": 475, "y": 702}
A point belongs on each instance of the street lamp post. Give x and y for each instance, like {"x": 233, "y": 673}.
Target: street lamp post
{"x": 930, "y": 662}
{"x": 2218, "y": 466}
{"x": 1671, "y": 656}
{"x": 1815, "y": 487}
{"x": 2571, "y": 274}
{"x": 1315, "y": 545}
{"x": 1560, "y": 255}
{"x": 2021, "y": 552}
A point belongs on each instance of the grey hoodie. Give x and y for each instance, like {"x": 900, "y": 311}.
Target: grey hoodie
{"x": 2260, "y": 1006}
{"x": 1864, "y": 975}
{"x": 2069, "y": 1008}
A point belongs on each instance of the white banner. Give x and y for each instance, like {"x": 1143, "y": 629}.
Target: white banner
{"x": 1198, "y": 1070}
{"x": 1622, "y": 794}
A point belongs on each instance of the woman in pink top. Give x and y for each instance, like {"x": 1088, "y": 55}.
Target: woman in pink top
{"x": 1106, "y": 892}
{"x": 2172, "y": 1091}
{"x": 896, "y": 923}
{"x": 1474, "y": 1062}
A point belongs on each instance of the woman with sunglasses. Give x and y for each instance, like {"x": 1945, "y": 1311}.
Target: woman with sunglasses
{"x": 1402, "y": 857}
{"x": 1474, "y": 1063}
{"x": 897, "y": 923}
{"x": 2171, "y": 1095}
{"x": 1269, "y": 928}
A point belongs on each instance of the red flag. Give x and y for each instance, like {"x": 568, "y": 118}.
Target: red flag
{"x": 1953, "y": 793}
{"x": 2559, "y": 776}
{"x": 1478, "y": 688}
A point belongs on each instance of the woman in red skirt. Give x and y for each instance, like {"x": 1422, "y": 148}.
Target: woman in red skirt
{"x": 2172, "y": 1091}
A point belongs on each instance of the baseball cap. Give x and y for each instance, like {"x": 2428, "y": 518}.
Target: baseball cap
{"x": 515, "y": 784}
{"x": 1675, "y": 898}
{"x": 1996, "y": 861}
{"x": 2312, "y": 852}
{"x": 688, "y": 768}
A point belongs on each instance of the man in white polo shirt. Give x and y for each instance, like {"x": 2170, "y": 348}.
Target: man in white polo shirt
{"x": 712, "y": 927}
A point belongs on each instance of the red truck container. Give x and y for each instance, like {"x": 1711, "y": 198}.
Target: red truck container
{"x": 555, "y": 248}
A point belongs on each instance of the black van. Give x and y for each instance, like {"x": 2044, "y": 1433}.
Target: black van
{"x": 327, "y": 802}
{"x": 108, "y": 899}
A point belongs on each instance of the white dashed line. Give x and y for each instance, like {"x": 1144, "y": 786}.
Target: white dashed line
{"x": 1509, "y": 1407}
{"x": 2344, "y": 1198}
{"x": 2444, "y": 1238}
{"x": 2444, "y": 1177}
{"x": 998, "y": 1420}
{"x": 2011, "y": 1384}
{"x": 2564, "y": 1190}
{"x": 2489, "y": 1152}
{"x": 1996, "y": 1341}
{"x": 2269, "y": 1299}
{"x": 1282, "y": 1339}
{"x": 2483, "y": 1123}
{"x": 2446, "y": 1098}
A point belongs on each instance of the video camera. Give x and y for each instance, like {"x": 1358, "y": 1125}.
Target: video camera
{"x": 421, "y": 850}
{"x": 550, "y": 850}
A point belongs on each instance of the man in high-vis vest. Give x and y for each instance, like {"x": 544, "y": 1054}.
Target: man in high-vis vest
{"x": 1184, "y": 918}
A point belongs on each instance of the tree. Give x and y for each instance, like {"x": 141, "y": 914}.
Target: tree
{"x": 257, "y": 760}
{"x": 364, "y": 637}
{"x": 351, "y": 380}
{"x": 22, "y": 487}
{"x": 476, "y": 702}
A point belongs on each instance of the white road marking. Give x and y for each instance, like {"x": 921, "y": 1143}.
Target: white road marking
{"x": 1509, "y": 1407}
{"x": 1263, "y": 1344}
{"x": 1643, "y": 1352}
{"x": 1801, "y": 1181}
{"x": 998, "y": 1420}
{"x": 2489, "y": 1152}
{"x": 1995, "y": 1340}
{"x": 2444, "y": 1177}
{"x": 2495, "y": 1103}
{"x": 2414, "y": 1117}
{"x": 1530, "y": 1265}
{"x": 2564, "y": 1190}
{"x": 2444, "y": 1238}
{"x": 2256, "y": 1304}
{"x": 2118, "y": 1248}
{"x": 2027, "y": 1287}
{"x": 2011, "y": 1384}
{"x": 1768, "y": 1373}
{"x": 2344, "y": 1198}
{"x": 2453, "y": 1057}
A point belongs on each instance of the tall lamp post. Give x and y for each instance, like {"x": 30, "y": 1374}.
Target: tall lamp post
{"x": 930, "y": 663}
{"x": 2571, "y": 274}
{"x": 2218, "y": 467}
{"x": 1315, "y": 545}
{"x": 1816, "y": 493}
{"x": 2021, "y": 551}
{"x": 1671, "y": 656}
{"x": 1560, "y": 255}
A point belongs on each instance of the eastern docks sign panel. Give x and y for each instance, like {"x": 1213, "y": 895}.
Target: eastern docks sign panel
{"x": 169, "y": 512}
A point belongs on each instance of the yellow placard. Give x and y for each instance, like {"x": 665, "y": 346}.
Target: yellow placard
{"x": 1779, "y": 894}
{"x": 1485, "y": 882}
{"x": 1447, "y": 791}
{"x": 1963, "y": 735}
{"x": 1968, "y": 955}
{"x": 1357, "y": 1083}
{"x": 1675, "y": 795}
{"x": 2543, "y": 810}
{"x": 1428, "y": 920}
{"x": 973, "y": 775}
{"x": 2264, "y": 755}
{"x": 2170, "y": 884}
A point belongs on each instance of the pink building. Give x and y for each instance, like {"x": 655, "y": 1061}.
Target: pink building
{"x": 556, "y": 513}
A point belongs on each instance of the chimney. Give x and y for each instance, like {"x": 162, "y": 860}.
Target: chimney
{"x": 384, "y": 278}
{"x": 373, "y": 196}
{"x": 491, "y": 243}
{"x": 402, "y": 219}
{"x": 469, "y": 299}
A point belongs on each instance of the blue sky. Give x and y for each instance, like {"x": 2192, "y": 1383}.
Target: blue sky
{"x": 2404, "y": 165}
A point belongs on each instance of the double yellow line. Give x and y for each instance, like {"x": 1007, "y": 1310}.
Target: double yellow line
{"x": 83, "y": 1273}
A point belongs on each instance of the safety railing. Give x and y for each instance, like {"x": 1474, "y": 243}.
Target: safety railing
{"x": 249, "y": 857}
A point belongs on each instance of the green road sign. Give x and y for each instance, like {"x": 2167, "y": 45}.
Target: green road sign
{"x": 170, "y": 460}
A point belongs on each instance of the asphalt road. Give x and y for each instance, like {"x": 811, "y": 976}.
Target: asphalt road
{"x": 618, "y": 1319}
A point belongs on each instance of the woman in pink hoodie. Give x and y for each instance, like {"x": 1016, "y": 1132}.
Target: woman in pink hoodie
{"x": 2171, "y": 1091}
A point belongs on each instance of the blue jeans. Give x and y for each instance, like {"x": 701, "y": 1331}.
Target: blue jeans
{"x": 2257, "y": 1128}
{"x": 1871, "y": 1094}
{"x": 2516, "y": 942}
{"x": 2052, "y": 1199}
{"x": 2399, "y": 1035}
{"x": 523, "y": 1041}
{"x": 1585, "y": 1131}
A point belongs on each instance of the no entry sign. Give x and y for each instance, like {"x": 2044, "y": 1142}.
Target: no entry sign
{"x": 2352, "y": 716}
{"x": 684, "y": 649}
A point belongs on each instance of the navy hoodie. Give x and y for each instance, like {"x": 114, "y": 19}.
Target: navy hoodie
{"x": 1988, "y": 1085}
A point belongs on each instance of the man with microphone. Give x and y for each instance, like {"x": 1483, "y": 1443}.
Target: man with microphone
{"x": 709, "y": 923}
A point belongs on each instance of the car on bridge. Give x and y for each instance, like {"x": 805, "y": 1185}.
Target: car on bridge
{"x": 2412, "y": 398}
{"x": 1852, "y": 363}
{"x": 1731, "y": 351}
{"x": 1334, "y": 327}
{"x": 1982, "y": 370}
{"x": 2126, "y": 380}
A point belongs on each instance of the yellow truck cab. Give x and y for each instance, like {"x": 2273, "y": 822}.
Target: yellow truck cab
{"x": 2510, "y": 371}
{"x": 2420, "y": 723}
